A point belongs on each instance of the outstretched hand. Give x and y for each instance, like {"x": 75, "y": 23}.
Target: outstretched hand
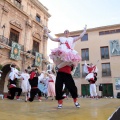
{"x": 85, "y": 27}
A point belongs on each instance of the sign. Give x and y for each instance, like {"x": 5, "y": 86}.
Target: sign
{"x": 114, "y": 48}
{"x": 38, "y": 59}
{"x": 15, "y": 51}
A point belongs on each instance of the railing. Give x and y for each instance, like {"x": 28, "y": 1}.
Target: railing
{"x": 18, "y": 5}
{"x": 9, "y": 42}
{"x": 4, "y": 40}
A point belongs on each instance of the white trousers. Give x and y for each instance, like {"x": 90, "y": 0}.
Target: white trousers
{"x": 93, "y": 90}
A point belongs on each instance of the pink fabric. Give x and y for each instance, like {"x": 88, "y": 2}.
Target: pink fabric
{"x": 65, "y": 56}
{"x": 51, "y": 89}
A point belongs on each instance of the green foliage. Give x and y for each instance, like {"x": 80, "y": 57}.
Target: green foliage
{"x": 18, "y": 69}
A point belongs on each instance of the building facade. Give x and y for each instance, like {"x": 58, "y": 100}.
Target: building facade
{"x": 103, "y": 44}
{"x": 22, "y": 38}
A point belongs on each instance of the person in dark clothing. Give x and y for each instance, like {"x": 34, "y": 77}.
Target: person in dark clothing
{"x": 34, "y": 86}
{"x": 13, "y": 90}
{"x": 64, "y": 77}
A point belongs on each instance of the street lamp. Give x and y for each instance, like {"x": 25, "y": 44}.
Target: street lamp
{"x": 3, "y": 27}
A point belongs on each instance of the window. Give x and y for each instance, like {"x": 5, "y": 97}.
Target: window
{"x": 37, "y": 18}
{"x": 104, "y": 52}
{"x": 85, "y": 54}
{"x": 83, "y": 73}
{"x": 35, "y": 46}
{"x": 109, "y": 32}
{"x": 19, "y": 1}
{"x": 14, "y": 36}
{"x": 85, "y": 37}
{"x": 118, "y": 31}
{"x": 106, "y": 71}
{"x": 18, "y": 4}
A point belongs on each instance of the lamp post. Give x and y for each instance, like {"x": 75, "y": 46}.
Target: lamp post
{"x": 3, "y": 27}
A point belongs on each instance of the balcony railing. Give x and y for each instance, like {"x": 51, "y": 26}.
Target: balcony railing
{"x": 8, "y": 42}
{"x": 22, "y": 46}
{"x": 4, "y": 40}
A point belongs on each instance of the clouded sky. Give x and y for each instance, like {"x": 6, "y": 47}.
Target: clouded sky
{"x": 74, "y": 14}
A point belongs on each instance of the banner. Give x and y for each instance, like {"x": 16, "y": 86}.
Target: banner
{"x": 15, "y": 51}
{"x": 38, "y": 59}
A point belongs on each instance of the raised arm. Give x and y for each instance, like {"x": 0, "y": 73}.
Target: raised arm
{"x": 48, "y": 34}
{"x": 40, "y": 77}
{"x": 81, "y": 35}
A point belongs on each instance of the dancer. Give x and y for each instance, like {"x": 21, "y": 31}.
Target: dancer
{"x": 63, "y": 57}
{"x": 13, "y": 89}
{"x": 14, "y": 74}
{"x": 51, "y": 84}
{"x": 90, "y": 69}
{"x": 43, "y": 85}
{"x": 65, "y": 53}
{"x": 25, "y": 84}
{"x": 34, "y": 85}
{"x": 93, "y": 92}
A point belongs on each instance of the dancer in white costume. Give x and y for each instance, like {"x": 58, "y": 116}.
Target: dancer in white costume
{"x": 93, "y": 92}
{"x": 65, "y": 53}
{"x": 90, "y": 69}
{"x": 43, "y": 84}
{"x": 14, "y": 73}
{"x": 51, "y": 84}
{"x": 25, "y": 85}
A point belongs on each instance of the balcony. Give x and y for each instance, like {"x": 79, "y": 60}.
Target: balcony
{"x": 6, "y": 41}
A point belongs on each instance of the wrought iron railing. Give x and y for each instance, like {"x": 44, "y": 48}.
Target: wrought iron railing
{"x": 4, "y": 40}
{"x": 8, "y": 42}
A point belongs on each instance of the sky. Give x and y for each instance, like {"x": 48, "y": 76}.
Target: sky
{"x": 74, "y": 14}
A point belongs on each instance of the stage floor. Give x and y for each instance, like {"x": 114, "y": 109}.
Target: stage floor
{"x": 91, "y": 109}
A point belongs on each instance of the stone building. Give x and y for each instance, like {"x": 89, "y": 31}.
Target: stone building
{"x": 103, "y": 44}
{"x": 22, "y": 39}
